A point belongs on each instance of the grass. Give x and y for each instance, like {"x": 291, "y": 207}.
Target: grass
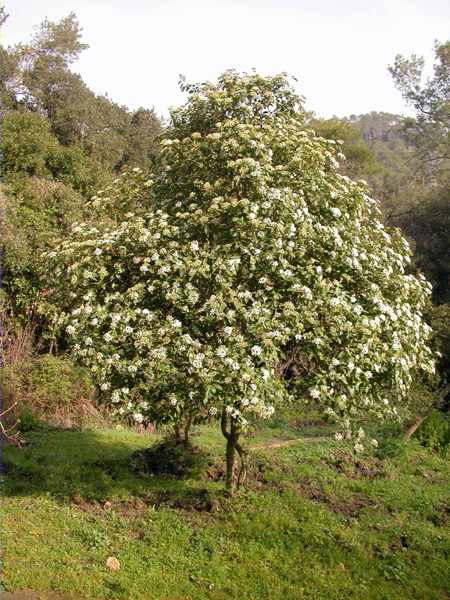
{"x": 314, "y": 523}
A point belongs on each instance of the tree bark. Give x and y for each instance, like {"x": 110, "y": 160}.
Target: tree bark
{"x": 230, "y": 477}
{"x": 187, "y": 427}
{"x": 233, "y": 446}
{"x": 413, "y": 428}
{"x": 242, "y": 476}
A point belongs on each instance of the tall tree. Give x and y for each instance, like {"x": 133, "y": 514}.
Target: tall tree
{"x": 255, "y": 254}
{"x": 429, "y": 132}
{"x": 59, "y": 142}
{"x": 36, "y": 76}
{"x": 143, "y": 133}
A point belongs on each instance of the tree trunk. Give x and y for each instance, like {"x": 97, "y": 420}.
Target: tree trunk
{"x": 242, "y": 476}
{"x": 232, "y": 437}
{"x": 413, "y": 428}
{"x": 230, "y": 477}
{"x": 187, "y": 427}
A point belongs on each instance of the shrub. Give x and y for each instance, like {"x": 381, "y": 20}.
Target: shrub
{"x": 36, "y": 212}
{"x": 48, "y": 387}
{"x": 434, "y": 432}
{"x": 30, "y": 149}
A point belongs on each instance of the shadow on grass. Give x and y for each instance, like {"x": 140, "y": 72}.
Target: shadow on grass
{"x": 91, "y": 467}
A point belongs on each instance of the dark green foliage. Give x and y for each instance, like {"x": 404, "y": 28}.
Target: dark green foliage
{"x": 27, "y": 144}
{"x": 30, "y": 149}
{"x": 428, "y": 225}
{"x": 434, "y": 432}
{"x": 440, "y": 322}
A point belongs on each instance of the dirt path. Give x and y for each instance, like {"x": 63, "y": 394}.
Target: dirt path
{"x": 279, "y": 443}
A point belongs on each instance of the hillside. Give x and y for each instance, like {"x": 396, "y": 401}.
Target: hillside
{"x": 315, "y": 522}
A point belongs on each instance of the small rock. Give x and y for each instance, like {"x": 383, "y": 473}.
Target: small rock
{"x": 112, "y": 563}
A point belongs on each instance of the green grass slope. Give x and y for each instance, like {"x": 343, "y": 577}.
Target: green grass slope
{"x": 314, "y": 523}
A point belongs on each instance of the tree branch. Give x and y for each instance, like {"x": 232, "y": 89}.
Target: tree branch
{"x": 223, "y": 424}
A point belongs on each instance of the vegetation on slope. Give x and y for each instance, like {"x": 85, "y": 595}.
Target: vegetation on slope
{"x": 315, "y": 522}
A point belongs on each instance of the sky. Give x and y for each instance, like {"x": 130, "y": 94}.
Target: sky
{"x": 338, "y": 50}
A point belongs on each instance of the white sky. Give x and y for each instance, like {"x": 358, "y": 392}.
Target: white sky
{"x": 338, "y": 49}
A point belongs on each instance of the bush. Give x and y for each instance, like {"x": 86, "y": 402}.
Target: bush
{"x": 51, "y": 388}
{"x": 27, "y": 144}
{"x": 30, "y": 149}
{"x": 169, "y": 458}
{"x": 255, "y": 252}
{"x": 439, "y": 317}
{"x": 36, "y": 212}
{"x": 434, "y": 432}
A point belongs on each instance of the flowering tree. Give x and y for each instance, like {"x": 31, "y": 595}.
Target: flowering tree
{"x": 256, "y": 256}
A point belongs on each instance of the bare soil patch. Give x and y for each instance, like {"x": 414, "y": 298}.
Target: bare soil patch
{"x": 135, "y": 507}
{"x": 441, "y": 516}
{"x": 349, "y": 507}
{"x": 347, "y": 464}
{"x": 169, "y": 458}
{"x": 131, "y": 508}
